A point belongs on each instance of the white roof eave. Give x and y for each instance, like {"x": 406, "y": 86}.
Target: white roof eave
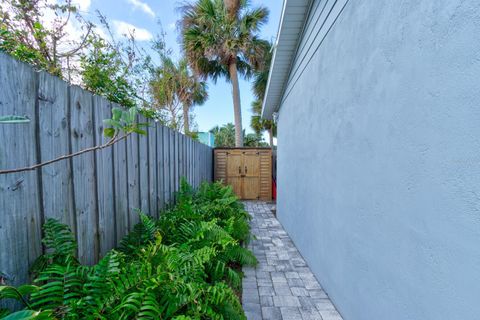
{"x": 285, "y": 47}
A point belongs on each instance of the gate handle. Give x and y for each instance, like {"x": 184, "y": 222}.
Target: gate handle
{"x": 245, "y": 169}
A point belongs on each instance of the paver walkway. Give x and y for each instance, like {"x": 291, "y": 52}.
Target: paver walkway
{"x": 282, "y": 285}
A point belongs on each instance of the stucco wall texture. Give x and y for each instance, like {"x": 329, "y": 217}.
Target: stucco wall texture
{"x": 379, "y": 160}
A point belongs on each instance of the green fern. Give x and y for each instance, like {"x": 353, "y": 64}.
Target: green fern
{"x": 60, "y": 246}
{"x": 184, "y": 266}
{"x": 143, "y": 232}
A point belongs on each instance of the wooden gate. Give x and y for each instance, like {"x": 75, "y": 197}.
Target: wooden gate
{"x": 247, "y": 170}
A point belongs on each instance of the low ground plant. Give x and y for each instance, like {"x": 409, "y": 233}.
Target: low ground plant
{"x": 186, "y": 265}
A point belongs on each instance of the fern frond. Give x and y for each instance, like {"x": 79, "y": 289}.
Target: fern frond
{"x": 60, "y": 243}
{"x": 59, "y": 239}
{"x": 143, "y": 232}
{"x": 29, "y": 315}
{"x": 61, "y": 288}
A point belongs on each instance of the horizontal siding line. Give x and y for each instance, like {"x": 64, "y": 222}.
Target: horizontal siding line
{"x": 290, "y": 87}
{"x": 311, "y": 27}
{"x": 310, "y": 40}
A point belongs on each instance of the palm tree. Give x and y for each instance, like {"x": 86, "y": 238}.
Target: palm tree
{"x": 258, "y": 124}
{"x": 163, "y": 88}
{"x": 191, "y": 92}
{"x": 220, "y": 38}
{"x": 224, "y": 136}
{"x": 174, "y": 89}
{"x": 259, "y": 87}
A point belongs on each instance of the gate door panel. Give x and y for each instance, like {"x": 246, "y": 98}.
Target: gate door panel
{"x": 247, "y": 170}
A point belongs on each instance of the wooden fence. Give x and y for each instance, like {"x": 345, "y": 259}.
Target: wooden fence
{"x": 97, "y": 193}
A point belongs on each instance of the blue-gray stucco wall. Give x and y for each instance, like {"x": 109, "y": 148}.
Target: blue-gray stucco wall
{"x": 379, "y": 159}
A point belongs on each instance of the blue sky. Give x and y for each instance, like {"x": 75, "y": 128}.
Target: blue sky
{"x": 145, "y": 14}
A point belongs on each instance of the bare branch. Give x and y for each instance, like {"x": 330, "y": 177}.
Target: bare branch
{"x": 111, "y": 142}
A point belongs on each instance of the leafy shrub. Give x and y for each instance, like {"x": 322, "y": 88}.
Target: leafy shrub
{"x": 183, "y": 266}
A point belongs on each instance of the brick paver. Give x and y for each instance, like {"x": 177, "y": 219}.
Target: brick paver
{"x": 281, "y": 286}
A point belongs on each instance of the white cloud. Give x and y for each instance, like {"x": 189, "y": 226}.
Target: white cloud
{"x": 172, "y": 26}
{"x": 124, "y": 28}
{"x": 83, "y": 5}
{"x": 137, "y": 4}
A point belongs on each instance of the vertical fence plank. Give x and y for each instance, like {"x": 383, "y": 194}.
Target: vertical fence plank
{"x": 19, "y": 192}
{"x": 180, "y": 157}
{"x": 152, "y": 168}
{"x": 81, "y": 135}
{"x": 173, "y": 164}
{"x": 202, "y": 155}
{"x": 160, "y": 165}
{"x": 194, "y": 181}
{"x": 175, "y": 161}
{"x": 54, "y": 142}
{"x": 132, "y": 176}
{"x": 205, "y": 150}
{"x": 185, "y": 159}
{"x": 166, "y": 164}
{"x": 105, "y": 178}
{"x": 120, "y": 189}
{"x": 198, "y": 164}
{"x": 171, "y": 153}
{"x": 185, "y": 150}
{"x": 192, "y": 162}
{"x": 194, "y": 152}
{"x": 210, "y": 164}
{"x": 143, "y": 158}
{"x": 204, "y": 167}
{"x": 202, "y": 162}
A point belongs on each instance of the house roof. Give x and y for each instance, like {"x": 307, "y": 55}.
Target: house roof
{"x": 291, "y": 26}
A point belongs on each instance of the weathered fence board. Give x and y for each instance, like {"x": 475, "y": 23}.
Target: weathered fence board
{"x": 133, "y": 175}
{"x": 96, "y": 193}
{"x": 173, "y": 164}
{"x": 105, "y": 188}
{"x": 53, "y": 135}
{"x": 190, "y": 163}
{"x": 152, "y": 168}
{"x": 180, "y": 156}
{"x": 160, "y": 195}
{"x": 84, "y": 175}
{"x": 143, "y": 158}
{"x": 120, "y": 189}
{"x": 167, "y": 155}
{"x": 20, "y": 209}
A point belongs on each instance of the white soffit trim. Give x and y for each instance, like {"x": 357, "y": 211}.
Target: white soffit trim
{"x": 292, "y": 22}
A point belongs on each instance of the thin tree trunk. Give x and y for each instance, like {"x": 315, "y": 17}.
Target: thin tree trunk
{"x": 186, "y": 120}
{"x": 173, "y": 120}
{"x": 237, "y": 108}
{"x": 270, "y": 135}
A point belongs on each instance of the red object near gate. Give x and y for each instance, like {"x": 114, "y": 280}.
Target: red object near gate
{"x": 274, "y": 189}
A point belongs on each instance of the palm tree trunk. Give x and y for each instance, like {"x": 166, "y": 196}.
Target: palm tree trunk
{"x": 173, "y": 121}
{"x": 237, "y": 109}
{"x": 186, "y": 120}
{"x": 232, "y": 7}
{"x": 270, "y": 135}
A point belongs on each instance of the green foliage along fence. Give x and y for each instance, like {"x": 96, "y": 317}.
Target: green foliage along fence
{"x": 97, "y": 193}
